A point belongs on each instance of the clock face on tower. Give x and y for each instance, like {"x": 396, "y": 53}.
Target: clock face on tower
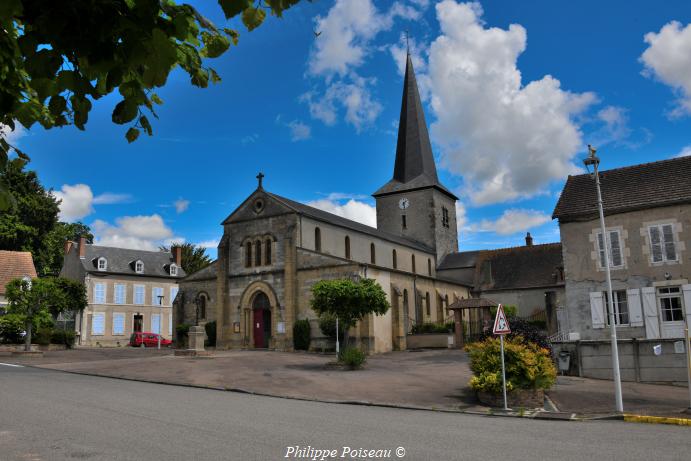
{"x": 403, "y": 203}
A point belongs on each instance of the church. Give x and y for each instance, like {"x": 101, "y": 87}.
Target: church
{"x": 274, "y": 249}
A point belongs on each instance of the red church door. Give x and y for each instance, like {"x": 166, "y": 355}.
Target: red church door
{"x": 261, "y": 320}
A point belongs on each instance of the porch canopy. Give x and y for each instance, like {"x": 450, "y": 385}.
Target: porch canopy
{"x": 480, "y": 305}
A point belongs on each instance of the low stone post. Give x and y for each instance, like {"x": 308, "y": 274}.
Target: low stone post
{"x": 195, "y": 343}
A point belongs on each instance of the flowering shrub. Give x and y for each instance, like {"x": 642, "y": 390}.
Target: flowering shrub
{"x": 528, "y": 366}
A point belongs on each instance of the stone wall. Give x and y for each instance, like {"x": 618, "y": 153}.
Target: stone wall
{"x": 637, "y": 361}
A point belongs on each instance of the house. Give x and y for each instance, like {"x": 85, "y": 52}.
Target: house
{"x": 274, "y": 249}
{"x": 127, "y": 291}
{"x": 14, "y": 265}
{"x": 530, "y": 277}
{"x": 648, "y": 224}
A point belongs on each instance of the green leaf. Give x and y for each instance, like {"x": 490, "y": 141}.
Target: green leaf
{"x": 200, "y": 78}
{"x": 215, "y": 78}
{"x": 80, "y": 107}
{"x": 253, "y": 17}
{"x": 146, "y": 126}
{"x": 155, "y": 99}
{"x": 132, "y": 135}
{"x": 233, "y": 34}
{"x": 214, "y": 44}
{"x": 10, "y": 8}
{"x": 232, "y": 8}
{"x": 125, "y": 111}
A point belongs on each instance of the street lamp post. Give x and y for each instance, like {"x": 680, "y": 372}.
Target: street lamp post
{"x": 595, "y": 162}
{"x": 160, "y": 319}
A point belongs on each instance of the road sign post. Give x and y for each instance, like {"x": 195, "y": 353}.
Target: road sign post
{"x": 501, "y": 328}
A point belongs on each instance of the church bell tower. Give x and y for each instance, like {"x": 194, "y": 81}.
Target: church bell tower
{"x": 414, "y": 204}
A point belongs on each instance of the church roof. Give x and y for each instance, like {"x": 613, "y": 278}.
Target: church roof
{"x": 414, "y": 167}
{"x": 340, "y": 221}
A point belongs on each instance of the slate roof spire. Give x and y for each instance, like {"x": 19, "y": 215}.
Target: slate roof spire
{"x": 414, "y": 167}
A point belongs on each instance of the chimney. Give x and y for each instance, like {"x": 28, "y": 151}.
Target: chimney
{"x": 82, "y": 247}
{"x": 68, "y": 246}
{"x": 528, "y": 240}
{"x": 177, "y": 255}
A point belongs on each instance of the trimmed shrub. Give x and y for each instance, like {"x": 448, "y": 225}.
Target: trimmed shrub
{"x": 352, "y": 357}
{"x": 11, "y": 328}
{"x": 302, "y": 335}
{"x": 42, "y": 336}
{"x": 433, "y": 328}
{"x": 523, "y": 329}
{"x": 66, "y": 337}
{"x": 181, "y": 334}
{"x": 509, "y": 310}
{"x": 528, "y": 366}
{"x": 210, "y": 329}
{"x": 327, "y": 325}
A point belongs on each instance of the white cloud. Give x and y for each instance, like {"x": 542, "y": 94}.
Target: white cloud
{"x": 76, "y": 202}
{"x": 208, "y": 243}
{"x": 111, "y": 199}
{"x": 616, "y": 120}
{"x": 347, "y": 32}
{"x": 507, "y": 139}
{"x": 181, "y": 205}
{"x": 10, "y": 136}
{"x": 686, "y": 151}
{"x": 136, "y": 232}
{"x": 352, "y": 209}
{"x": 668, "y": 58}
{"x": 513, "y": 221}
{"x": 461, "y": 218}
{"x": 249, "y": 139}
{"x": 299, "y": 131}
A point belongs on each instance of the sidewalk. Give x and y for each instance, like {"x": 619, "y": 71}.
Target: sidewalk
{"x": 431, "y": 379}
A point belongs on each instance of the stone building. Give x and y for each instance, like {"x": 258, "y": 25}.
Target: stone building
{"x": 274, "y": 249}
{"x": 648, "y": 217}
{"x": 530, "y": 277}
{"x": 127, "y": 291}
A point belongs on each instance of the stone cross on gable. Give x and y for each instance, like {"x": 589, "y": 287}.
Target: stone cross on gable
{"x": 260, "y": 177}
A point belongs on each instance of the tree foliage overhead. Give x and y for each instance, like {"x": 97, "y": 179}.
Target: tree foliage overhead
{"x": 348, "y": 300}
{"x": 58, "y": 56}
{"x": 51, "y": 256}
{"x": 194, "y": 258}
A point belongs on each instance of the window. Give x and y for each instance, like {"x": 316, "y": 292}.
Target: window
{"x": 372, "y": 254}
{"x": 267, "y": 251}
{"x": 98, "y": 324}
{"x": 157, "y": 296}
{"x": 156, "y": 323}
{"x": 139, "y": 294}
{"x": 662, "y": 246}
{"x": 173, "y": 270}
{"x": 446, "y": 303}
{"x": 202, "y": 307}
{"x": 412, "y": 260}
{"x": 317, "y": 239}
{"x": 445, "y": 217}
{"x": 670, "y": 304}
{"x": 173, "y": 294}
{"x": 621, "y": 308}
{"x": 118, "y": 324}
{"x": 139, "y": 267}
{"x": 427, "y": 308}
{"x": 120, "y": 294}
{"x": 100, "y": 293}
{"x": 248, "y": 255}
{"x": 394, "y": 258}
{"x": 429, "y": 266}
{"x": 403, "y": 222}
{"x": 102, "y": 263}
{"x": 615, "y": 257}
{"x": 347, "y": 247}
{"x": 258, "y": 253}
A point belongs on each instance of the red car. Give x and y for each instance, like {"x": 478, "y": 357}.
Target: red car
{"x": 145, "y": 339}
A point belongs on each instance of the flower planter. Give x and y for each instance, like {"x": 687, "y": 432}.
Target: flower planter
{"x": 520, "y": 398}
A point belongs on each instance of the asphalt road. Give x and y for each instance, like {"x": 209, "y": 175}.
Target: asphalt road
{"x": 49, "y": 415}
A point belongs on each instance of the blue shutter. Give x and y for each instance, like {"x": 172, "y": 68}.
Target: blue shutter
{"x": 98, "y": 324}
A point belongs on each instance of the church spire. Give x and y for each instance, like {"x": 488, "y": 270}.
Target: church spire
{"x": 413, "y": 151}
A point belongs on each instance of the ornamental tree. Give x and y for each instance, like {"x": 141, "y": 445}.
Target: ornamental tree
{"x": 348, "y": 300}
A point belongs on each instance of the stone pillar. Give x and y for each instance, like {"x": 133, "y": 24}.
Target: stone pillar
{"x": 289, "y": 289}
{"x": 459, "y": 328}
{"x": 196, "y": 339}
{"x": 223, "y": 329}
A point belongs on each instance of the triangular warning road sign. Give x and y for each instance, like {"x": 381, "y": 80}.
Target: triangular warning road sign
{"x": 501, "y": 324}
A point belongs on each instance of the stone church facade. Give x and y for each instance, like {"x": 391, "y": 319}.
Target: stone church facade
{"x": 274, "y": 249}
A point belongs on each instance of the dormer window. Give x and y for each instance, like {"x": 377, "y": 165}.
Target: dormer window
{"x": 102, "y": 263}
{"x": 173, "y": 270}
{"x": 139, "y": 267}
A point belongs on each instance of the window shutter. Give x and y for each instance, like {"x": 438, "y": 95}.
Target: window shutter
{"x": 155, "y": 323}
{"x": 655, "y": 244}
{"x": 601, "y": 249}
{"x": 597, "y": 309}
{"x": 652, "y": 326}
{"x": 633, "y": 298}
{"x": 668, "y": 235}
{"x": 118, "y": 324}
{"x": 686, "y": 289}
{"x": 98, "y": 323}
{"x": 615, "y": 249}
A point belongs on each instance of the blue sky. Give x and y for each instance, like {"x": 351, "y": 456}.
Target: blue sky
{"x": 513, "y": 92}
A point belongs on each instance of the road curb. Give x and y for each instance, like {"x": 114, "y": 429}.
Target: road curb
{"x": 657, "y": 420}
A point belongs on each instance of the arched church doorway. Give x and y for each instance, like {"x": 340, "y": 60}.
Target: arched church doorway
{"x": 261, "y": 310}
